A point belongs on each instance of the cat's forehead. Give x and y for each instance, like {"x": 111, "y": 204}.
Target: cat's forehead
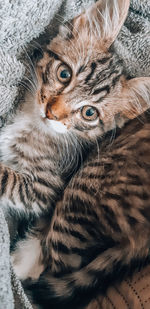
{"x": 79, "y": 50}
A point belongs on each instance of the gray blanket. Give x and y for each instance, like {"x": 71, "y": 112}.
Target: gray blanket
{"x": 21, "y": 22}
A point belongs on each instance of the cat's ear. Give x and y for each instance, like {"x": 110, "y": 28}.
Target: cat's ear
{"x": 103, "y": 20}
{"x": 136, "y": 96}
{"x": 132, "y": 100}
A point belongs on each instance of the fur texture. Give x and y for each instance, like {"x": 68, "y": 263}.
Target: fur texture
{"x": 82, "y": 92}
{"x": 100, "y": 230}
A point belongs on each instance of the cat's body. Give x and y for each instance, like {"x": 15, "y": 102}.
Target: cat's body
{"x": 82, "y": 92}
{"x": 33, "y": 180}
{"x": 100, "y": 231}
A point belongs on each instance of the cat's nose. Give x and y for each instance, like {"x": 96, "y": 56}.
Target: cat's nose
{"x": 50, "y": 113}
{"x": 57, "y": 110}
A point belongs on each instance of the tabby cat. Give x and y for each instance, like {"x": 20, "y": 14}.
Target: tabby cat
{"x": 82, "y": 92}
{"x": 100, "y": 231}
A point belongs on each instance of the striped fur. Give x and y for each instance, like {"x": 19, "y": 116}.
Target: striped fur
{"x": 100, "y": 231}
{"x": 37, "y": 161}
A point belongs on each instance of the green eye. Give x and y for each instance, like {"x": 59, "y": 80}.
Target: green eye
{"x": 64, "y": 74}
{"x": 89, "y": 113}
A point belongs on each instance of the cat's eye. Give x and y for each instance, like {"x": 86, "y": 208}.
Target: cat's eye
{"x": 64, "y": 73}
{"x": 89, "y": 113}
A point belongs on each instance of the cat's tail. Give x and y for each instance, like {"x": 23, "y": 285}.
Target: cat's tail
{"x": 77, "y": 288}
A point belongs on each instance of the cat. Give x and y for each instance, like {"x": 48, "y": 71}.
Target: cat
{"x": 83, "y": 91}
{"x": 90, "y": 242}
{"x": 100, "y": 231}
{"x": 77, "y": 87}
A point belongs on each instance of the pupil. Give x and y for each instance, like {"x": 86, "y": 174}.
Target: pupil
{"x": 90, "y": 112}
{"x": 65, "y": 74}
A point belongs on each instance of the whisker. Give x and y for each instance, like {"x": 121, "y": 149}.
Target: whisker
{"x": 112, "y": 137}
{"x": 30, "y": 65}
{"x": 26, "y": 87}
{"x": 29, "y": 81}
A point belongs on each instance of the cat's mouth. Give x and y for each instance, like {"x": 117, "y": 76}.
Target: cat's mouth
{"x": 56, "y": 125}
{"x": 52, "y": 121}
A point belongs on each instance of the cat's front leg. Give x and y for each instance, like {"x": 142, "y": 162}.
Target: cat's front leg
{"x": 16, "y": 189}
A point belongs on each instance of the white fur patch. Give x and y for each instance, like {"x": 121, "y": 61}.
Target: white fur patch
{"x": 26, "y": 259}
{"x": 57, "y": 126}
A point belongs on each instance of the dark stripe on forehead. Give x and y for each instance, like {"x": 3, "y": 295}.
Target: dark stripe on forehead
{"x": 103, "y": 60}
{"x": 106, "y": 77}
{"x": 114, "y": 67}
{"x": 52, "y": 54}
{"x": 93, "y": 67}
{"x": 105, "y": 88}
{"x": 81, "y": 69}
{"x": 104, "y": 73}
{"x": 115, "y": 80}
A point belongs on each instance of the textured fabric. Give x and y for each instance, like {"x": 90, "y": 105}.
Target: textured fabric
{"x": 20, "y": 299}
{"x": 130, "y": 294}
{"x": 21, "y": 22}
{"x": 133, "y": 42}
{"x": 6, "y": 296}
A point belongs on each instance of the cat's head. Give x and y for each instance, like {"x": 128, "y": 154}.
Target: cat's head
{"x": 82, "y": 86}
